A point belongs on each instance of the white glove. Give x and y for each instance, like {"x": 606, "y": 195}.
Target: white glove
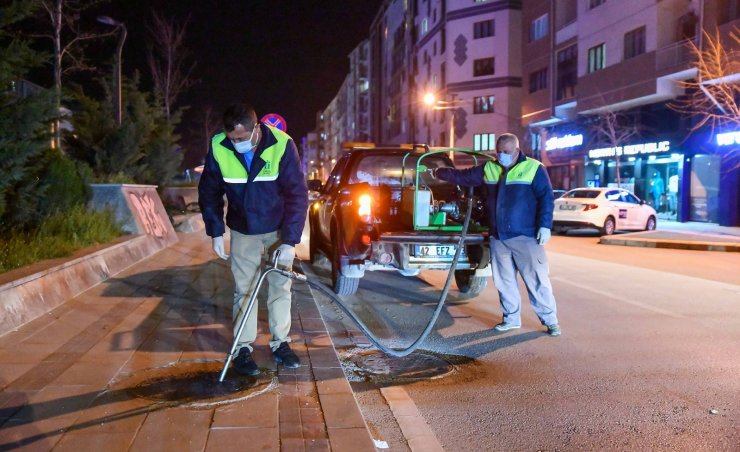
{"x": 287, "y": 254}
{"x": 543, "y": 236}
{"x": 218, "y": 247}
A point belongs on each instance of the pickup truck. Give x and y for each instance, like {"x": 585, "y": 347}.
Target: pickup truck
{"x": 380, "y": 209}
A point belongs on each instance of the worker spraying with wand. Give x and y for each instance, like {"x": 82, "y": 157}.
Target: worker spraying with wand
{"x": 258, "y": 168}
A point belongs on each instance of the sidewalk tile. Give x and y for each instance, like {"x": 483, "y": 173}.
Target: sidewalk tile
{"x": 82, "y": 441}
{"x": 257, "y": 411}
{"x": 242, "y": 439}
{"x": 173, "y": 429}
{"x": 317, "y": 445}
{"x": 340, "y": 410}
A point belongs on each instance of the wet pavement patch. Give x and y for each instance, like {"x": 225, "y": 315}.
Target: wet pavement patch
{"x": 376, "y": 366}
{"x": 193, "y": 384}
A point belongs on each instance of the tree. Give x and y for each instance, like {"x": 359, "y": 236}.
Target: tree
{"x": 142, "y": 149}
{"x": 69, "y": 41}
{"x": 713, "y": 96}
{"x": 613, "y": 129}
{"x": 168, "y": 60}
{"x": 26, "y": 113}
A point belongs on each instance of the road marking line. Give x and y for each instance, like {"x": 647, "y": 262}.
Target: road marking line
{"x": 623, "y": 300}
{"x": 417, "y": 432}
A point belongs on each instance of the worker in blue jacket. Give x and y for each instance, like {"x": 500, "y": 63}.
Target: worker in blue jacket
{"x": 258, "y": 169}
{"x": 520, "y": 203}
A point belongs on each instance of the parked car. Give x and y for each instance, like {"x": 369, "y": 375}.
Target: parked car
{"x": 558, "y": 193}
{"x": 607, "y": 209}
{"x": 370, "y": 216}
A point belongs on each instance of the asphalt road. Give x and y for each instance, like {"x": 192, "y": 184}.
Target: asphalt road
{"x": 649, "y": 358}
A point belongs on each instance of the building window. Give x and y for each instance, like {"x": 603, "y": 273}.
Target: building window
{"x": 424, "y": 26}
{"x": 484, "y": 141}
{"x": 483, "y": 104}
{"x": 596, "y": 58}
{"x": 634, "y": 43}
{"x": 484, "y": 29}
{"x": 538, "y": 80}
{"x": 567, "y": 72}
{"x": 594, "y": 3}
{"x": 728, "y": 10}
{"x": 538, "y": 28}
{"x": 484, "y": 66}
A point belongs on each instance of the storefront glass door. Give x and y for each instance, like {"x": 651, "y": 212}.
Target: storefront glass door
{"x": 705, "y": 172}
{"x": 662, "y": 183}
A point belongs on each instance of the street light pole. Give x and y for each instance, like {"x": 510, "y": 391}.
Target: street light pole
{"x": 452, "y": 128}
{"x": 119, "y": 50}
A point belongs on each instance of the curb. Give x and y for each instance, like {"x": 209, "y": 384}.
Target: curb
{"x": 675, "y": 244}
{"x": 345, "y": 424}
{"x": 28, "y": 297}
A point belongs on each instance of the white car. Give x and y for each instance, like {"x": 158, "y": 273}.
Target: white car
{"x": 607, "y": 209}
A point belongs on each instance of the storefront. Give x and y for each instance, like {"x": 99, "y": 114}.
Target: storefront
{"x": 562, "y": 154}
{"x": 685, "y": 176}
{"x": 692, "y": 180}
{"x": 654, "y": 171}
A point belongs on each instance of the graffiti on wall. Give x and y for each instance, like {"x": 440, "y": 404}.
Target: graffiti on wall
{"x": 146, "y": 209}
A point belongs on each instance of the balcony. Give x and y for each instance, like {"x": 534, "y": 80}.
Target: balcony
{"x": 673, "y": 57}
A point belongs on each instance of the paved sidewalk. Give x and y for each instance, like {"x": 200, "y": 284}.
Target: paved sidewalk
{"x": 93, "y": 374}
{"x": 688, "y": 236}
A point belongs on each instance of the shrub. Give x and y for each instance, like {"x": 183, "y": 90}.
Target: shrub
{"x": 59, "y": 235}
{"x": 65, "y": 184}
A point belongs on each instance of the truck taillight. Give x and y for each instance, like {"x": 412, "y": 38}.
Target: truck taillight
{"x": 365, "y": 209}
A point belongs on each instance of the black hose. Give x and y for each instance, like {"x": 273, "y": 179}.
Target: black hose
{"x": 443, "y": 296}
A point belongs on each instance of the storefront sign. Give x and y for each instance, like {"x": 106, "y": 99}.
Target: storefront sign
{"x": 630, "y": 149}
{"x": 567, "y": 141}
{"x": 728, "y": 138}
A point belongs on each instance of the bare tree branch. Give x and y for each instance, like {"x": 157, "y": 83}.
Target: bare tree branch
{"x": 712, "y": 97}
{"x": 614, "y": 129}
{"x": 168, "y": 60}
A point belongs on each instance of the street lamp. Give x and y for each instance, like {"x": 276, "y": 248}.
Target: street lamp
{"x": 121, "y": 38}
{"x": 430, "y": 99}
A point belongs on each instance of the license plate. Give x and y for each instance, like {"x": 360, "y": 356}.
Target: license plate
{"x": 567, "y": 207}
{"x": 435, "y": 250}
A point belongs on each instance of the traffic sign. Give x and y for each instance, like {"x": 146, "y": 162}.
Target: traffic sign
{"x": 275, "y": 120}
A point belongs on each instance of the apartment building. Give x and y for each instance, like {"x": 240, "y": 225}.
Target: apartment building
{"x": 587, "y": 63}
{"x": 358, "y": 93}
{"x": 468, "y": 56}
{"x": 391, "y": 42}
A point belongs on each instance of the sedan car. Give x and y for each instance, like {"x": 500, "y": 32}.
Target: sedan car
{"x": 607, "y": 209}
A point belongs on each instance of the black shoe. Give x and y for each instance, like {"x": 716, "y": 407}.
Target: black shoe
{"x": 285, "y": 356}
{"x": 244, "y": 364}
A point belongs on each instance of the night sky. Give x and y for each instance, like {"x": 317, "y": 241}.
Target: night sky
{"x": 284, "y": 56}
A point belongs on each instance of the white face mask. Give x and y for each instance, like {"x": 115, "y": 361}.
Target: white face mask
{"x": 506, "y": 159}
{"x": 243, "y": 147}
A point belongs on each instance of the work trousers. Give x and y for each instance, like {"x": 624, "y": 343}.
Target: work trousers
{"x": 248, "y": 256}
{"x": 525, "y": 255}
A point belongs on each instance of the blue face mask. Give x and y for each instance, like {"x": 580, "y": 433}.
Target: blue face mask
{"x": 505, "y": 159}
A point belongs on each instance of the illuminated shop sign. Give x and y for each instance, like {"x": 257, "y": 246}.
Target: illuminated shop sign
{"x": 727, "y": 139}
{"x": 567, "y": 141}
{"x": 630, "y": 149}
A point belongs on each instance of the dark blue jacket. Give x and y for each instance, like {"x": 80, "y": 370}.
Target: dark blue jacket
{"x": 513, "y": 208}
{"x": 256, "y": 207}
